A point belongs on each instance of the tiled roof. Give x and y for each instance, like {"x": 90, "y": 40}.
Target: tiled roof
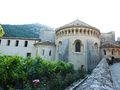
{"x": 44, "y": 43}
{"x": 76, "y": 23}
{"x": 110, "y": 45}
{"x": 22, "y": 38}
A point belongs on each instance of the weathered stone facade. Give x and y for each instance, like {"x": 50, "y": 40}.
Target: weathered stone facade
{"x": 88, "y": 40}
{"x": 100, "y": 79}
{"x": 77, "y": 43}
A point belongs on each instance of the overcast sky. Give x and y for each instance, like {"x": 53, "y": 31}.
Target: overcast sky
{"x": 102, "y": 14}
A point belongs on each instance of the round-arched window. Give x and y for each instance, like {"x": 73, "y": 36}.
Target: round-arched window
{"x": 77, "y": 46}
{"x": 96, "y": 45}
{"x": 60, "y": 43}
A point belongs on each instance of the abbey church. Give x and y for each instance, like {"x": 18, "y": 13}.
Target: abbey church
{"x": 76, "y": 42}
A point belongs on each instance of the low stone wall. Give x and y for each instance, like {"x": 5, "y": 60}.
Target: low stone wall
{"x": 100, "y": 79}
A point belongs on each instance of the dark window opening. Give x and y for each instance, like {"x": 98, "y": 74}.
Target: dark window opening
{"x": 69, "y": 31}
{"x": 0, "y": 41}
{"x": 65, "y": 32}
{"x": 50, "y": 53}
{"x": 84, "y": 31}
{"x": 43, "y": 52}
{"x": 77, "y": 46}
{"x": 88, "y": 32}
{"x": 104, "y": 52}
{"x": 8, "y": 43}
{"x": 28, "y": 54}
{"x": 17, "y": 42}
{"x": 112, "y": 52}
{"x": 26, "y": 43}
{"x": 76, "y": 30}
{"x": 96, "y": 45}
{"x": 72, "y": 31}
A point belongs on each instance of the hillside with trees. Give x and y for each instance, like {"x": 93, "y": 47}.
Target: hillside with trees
{"x": 24, "y": 31}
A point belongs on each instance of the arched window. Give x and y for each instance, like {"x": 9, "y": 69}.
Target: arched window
{"x": 77, "y": 46}
{"x": 60, "y": 43}
{"x": 50, "y": 53}
{"x": 96, "y": 45}
{"x": 8, "y": 42}
{"x": 17, "y": 42}
{"x": 88, "y": 32}
{"x": 69, "y": 31}
{"x": 26, "y": 44}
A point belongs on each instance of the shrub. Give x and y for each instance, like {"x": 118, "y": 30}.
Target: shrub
{"x": 20, "y": 72}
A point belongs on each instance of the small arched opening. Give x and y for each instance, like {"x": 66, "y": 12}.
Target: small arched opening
{"x": 77, "y": 46}
{"x": 96, "y": 45}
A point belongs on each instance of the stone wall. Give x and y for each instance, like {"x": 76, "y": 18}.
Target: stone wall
{"x": 100, "y": 79}
{"x": 20, "y": 50}
{"x": 107, "y": 37}
{"x": 76, "y": 58}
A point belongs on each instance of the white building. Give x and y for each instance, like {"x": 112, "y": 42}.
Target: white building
{"x": 77, "y": 43}
{"x": 18, "y": 46}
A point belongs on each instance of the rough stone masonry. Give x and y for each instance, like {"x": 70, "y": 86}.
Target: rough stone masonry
{"x": 100, "y": 79}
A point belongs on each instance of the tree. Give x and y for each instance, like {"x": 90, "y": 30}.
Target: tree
{"x": 1, "y": 31}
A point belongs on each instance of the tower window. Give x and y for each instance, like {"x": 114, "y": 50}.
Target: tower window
{"x": 77, "y": 46}
{"x": 17, "y": 42}
{"x": 26, "y": 44}
{"x": 8, "y": 43}
{"x": 50, "y": 53}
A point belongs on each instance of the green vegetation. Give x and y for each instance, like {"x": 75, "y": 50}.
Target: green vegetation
{"x": 36, "y": 74}
{"x": 23, "y": 30}
{"x": 1, "y": 31}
